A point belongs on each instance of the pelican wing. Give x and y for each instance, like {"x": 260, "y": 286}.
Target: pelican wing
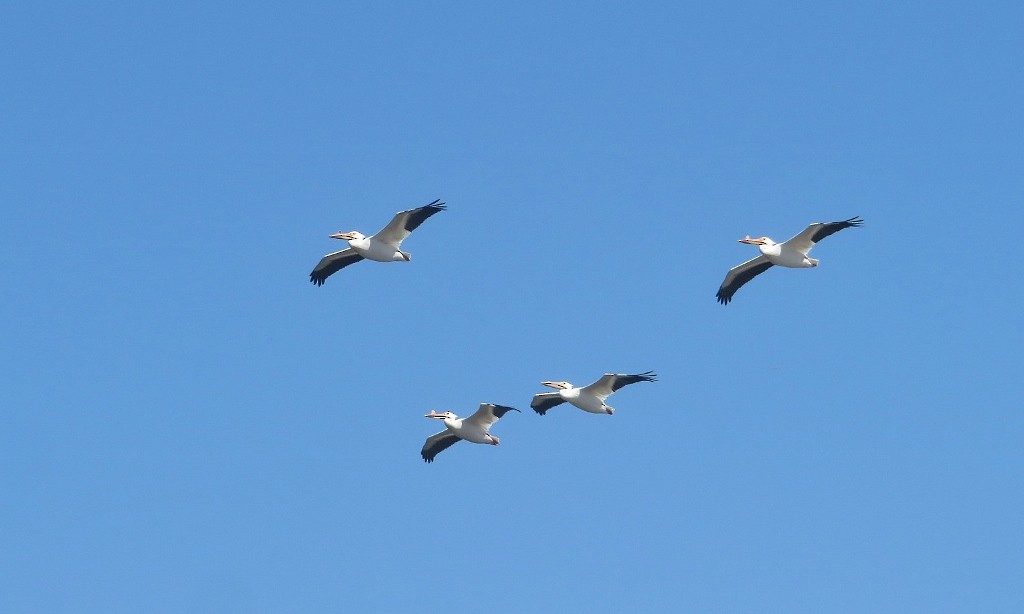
{"x": 544, "y": 401}
{"x": 817, "y": 231}
{"x": 488, "y": 414}
{"x": 437, "y": 443}
{"x": 405, "y": 222}
{"x": 332, "y": 263}
{"x": 739, "y": 275}
{"x": 610, "y": 382}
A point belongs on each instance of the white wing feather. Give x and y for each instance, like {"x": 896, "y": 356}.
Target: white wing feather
{"x": 802, "y": 242}
{"x": 484, "y": 417}
{"x": 404, "y": 222}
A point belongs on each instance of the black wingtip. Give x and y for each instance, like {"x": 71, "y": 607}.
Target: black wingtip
{"x": 646, "y": 376}
{"x": 501, "y": 410}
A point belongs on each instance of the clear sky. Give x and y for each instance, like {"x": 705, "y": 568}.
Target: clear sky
{"x": 188, "y": 425}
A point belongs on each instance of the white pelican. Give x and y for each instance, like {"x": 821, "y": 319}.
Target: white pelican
{"x": 475, "y": 428}
{"x": 791, "y": 254}
{"x": 385, "y": 246}
{"x": 588, "y": 398}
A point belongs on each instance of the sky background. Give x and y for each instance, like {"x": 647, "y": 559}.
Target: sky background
{"x": 188, "y": 425}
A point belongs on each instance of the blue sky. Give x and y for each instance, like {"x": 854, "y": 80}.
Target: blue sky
{"x": 188, "y": 425}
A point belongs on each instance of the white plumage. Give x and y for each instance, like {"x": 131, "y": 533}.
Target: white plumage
{"x": 385, "y": 246}
{"x": 475, "y": 429}
{"x": 791, "y": 254}
{"x": 589, "y": 398}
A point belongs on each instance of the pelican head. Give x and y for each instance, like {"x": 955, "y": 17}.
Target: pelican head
{"x": 440, "y": 416}
{"x": 557, "y": 385}
{"x": 757, "y": 241}
{"x": 354, "y": 235}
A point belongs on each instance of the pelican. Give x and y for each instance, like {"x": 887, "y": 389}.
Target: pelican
{"x": 475, "y": 429}
{"x": 588, "y": 398}
{"x": 791, "y": 254}
{"x": 385, "y": 246}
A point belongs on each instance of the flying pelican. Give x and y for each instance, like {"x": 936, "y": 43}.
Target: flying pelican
{"x": 588, "y": 398}
{"x": 475, "y": 428}
{"x": 385, "y": 246}
{"x": 791, "y": 254}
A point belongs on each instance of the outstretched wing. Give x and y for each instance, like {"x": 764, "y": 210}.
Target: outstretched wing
{"x": 332, "y": 263}
{"x": 739, "y": 275}
{"x": 817, "y": 231}
{"x": 437, "y": 443}
{"x": 544, "y": 401}
{"x": 405, "y": 222}
{"x": 610, "y": 382}
{"x": 488, "y": 414}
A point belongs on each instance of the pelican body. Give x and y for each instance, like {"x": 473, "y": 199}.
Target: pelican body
{"x": 587, "y": 401}
{"x": 372, "y": 248}
{"x": 474, "y": 429}
{"x": 782, "y": 254}
{"x": 791, "y": 254}
{"x": 591, "y": 398}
